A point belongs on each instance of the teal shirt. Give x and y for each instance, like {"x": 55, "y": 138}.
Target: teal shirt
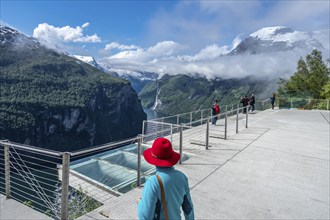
{"x": 177, "y": 194}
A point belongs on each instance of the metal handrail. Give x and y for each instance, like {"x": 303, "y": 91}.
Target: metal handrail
{"x": 29, "y": 147}
{"x": 186, "y": 113}
{"x": 102, "y": 147}
{"x": 218, "y": 115}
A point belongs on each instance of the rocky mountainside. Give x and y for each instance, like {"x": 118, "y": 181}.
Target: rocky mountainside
{"x": 54, "y": 101}
{"x": 182, "y": 93}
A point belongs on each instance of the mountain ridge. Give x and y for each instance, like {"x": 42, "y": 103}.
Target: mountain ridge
{"x": 54, "y": 101}
{"x": 278, "y": 38}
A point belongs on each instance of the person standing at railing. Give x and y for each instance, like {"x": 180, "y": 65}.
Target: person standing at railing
{"x": 245, "y": 102}
{"x": 252, "y": 102}
{"x": 272, "y": 100}
{"x": 165, "y": 193}
{"x": 215, "y": 112}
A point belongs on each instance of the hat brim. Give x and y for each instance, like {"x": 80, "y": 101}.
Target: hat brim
{"x": 168, "y": 162}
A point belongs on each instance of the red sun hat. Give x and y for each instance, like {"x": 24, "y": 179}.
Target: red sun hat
{"x": 161, "y": 153}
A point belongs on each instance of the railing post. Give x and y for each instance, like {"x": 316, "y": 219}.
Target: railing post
{"x": 247, "y": 116}
{"x": 142, "y": 131}
{"x": 201, "y": 117}
{"x": 226, "y": 126}
{"x": 237, "y": 111}
{"x": 190, "y": 118}
{"x": 207, "y": 134}
{"x": 171, "y": 133}
{"x": 226, "y": 108}
{"x": 180, "y": 147}
{"x": 177, "y": 119}
{"x": 139, "y": 162}
{"x": 7, "y": 171}
{"x": 65, "y": 186}
{"x": 162, "y": 134}
{"x": 328, "y": 105}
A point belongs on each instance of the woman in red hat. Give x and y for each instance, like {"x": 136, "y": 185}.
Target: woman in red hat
{"x": 165, "y": 193}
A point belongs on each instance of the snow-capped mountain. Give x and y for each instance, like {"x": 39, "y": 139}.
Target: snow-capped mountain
{"x": 15, "y": 38}
{"x": 134, "y": 74}
{"x": 87, "y": 59}
{"x": 279, "y": 38}
{"x": 137, "y": 78}
{"x": 91, "y": 61}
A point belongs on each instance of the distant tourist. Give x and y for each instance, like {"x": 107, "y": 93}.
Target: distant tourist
{"x": 252, "y": 102}
{"x": 245, "y": 102}
{"x": 272, "y": 100}
{"x": 215, "y": 112}
{"x": 153, "y": 204}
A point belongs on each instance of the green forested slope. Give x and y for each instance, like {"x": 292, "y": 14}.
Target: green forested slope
{"x": 55, "y": 101}
{"x": 182, "y": 93}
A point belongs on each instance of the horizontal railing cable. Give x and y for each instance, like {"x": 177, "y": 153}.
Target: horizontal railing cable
{"x": 21, "y": 187}
{"x": 39, "y": 166}
{"x": 44, "y": 183}
{"x": 30, "y": 179}
{"x": 37, "y": 170}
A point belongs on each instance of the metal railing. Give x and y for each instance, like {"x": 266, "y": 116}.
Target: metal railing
{"x": 66, "y": 185}
{"x": 304, "y": 104}
{"x": 228, "y": 122}
{"x": 188, "y": 117}
{"x": 30, "y": 176}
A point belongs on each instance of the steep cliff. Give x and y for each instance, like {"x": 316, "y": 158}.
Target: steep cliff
{"x": 54, "y": 101}
{"x": 182, "y": 93}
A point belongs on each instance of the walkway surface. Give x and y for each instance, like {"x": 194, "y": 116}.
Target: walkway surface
{"x": 278, "y": 168}
{"x": 11, "y": 209}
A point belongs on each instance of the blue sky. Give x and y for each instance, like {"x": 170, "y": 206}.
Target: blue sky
{"x": 122, "y": 30}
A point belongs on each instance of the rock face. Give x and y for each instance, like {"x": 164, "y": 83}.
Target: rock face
{"x": 54, "y": 101}
{"x": 199, "y": 93}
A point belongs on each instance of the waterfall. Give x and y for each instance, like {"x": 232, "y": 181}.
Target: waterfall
{"x": 157, "y": 101}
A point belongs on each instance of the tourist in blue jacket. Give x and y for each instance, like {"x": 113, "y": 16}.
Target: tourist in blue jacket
{"x": 175, "y": 185}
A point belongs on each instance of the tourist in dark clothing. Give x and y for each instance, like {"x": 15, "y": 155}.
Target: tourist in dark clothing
{"x": 245, "y": 102}
{"x": 252, "y": 102}
{"x": 272, "y": 100}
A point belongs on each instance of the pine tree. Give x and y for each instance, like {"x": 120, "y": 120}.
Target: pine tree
{"x": 309, "y": 79}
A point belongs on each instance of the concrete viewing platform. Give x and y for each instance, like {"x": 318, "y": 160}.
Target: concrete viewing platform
{"x": 277, "y": 168}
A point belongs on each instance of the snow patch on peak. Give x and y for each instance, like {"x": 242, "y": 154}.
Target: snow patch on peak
{"x": 270, "y": 33}
{"x": 86, "y": 59}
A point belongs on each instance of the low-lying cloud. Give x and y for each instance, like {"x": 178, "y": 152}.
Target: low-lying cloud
{"x": 211, "y": 62}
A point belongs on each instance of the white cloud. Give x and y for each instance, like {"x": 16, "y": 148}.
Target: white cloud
{"x": 116, "y": 45}
{"x": 207, "y": 22}
{"x": 57, "y": 37}
{"x": 165, "y": 58}
{"x": 213, "y": 51}
{"x": 161, "y": 50}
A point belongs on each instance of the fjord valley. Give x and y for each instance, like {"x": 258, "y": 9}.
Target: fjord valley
{"x": 54, "y": 101}
{"x": 59, "y": 100}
